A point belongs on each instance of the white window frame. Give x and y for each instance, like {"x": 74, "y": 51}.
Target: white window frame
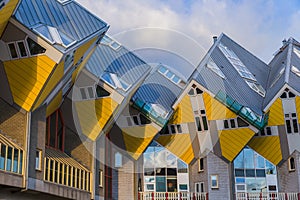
{"x": 290, "y": 118}
{"x": 16, "y": 48}
{"x": 217, "y": 181}
{"x": 290, "y": 166}
{"x": 101, "y": 178}
{"x": 200, "y": 167}
{"x": 38, "y": 166}
{"x": 25, "y": 46}
{"x": 198, "y": 185}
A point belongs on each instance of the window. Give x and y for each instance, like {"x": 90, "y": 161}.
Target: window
{"x": 3, "y": 3}
{"x": 291, "y": 123}
{"x": 11, "y": 159}
{"x": 279, "y": 75}
{"x": 106, "y": 40}
{"x": 101, "y": 92}
{"x": 174, "y": 128}
{"x": 199, "y": 187}
{"x": 200, "y": 165}
{"x": 22, "y": 49}
{"x": 171, "y": 76}
{"x": 17, "y": 49}
{"x": 291, "y": 163}
{"x": 69, "y": 60}
{"x": 100, "y": 178}
{"x": 87, "y": 92}
{"x": 214, "y": 181}
{"x": 234, "y": 123}
{"x": 214, "y": 67}
{"x": 115, "y": 81}
{"x": 34, "y": 48}
{"x": 13, "y": 50}
{"x": 257, "y": 88}
{"x": 287, "y": 94}
{"x": 118, "y": 159}
{"x": 295, "y": 70}
{"x": 38, "y": 159}
{"x": 267, "y": 131}
{"x": 137, "y": 120}
{"x": 55, "y": 133}
{"x": 201, "y": 121}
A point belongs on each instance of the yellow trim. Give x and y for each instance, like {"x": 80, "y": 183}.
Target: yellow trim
{"x": 215, "y": 110}
{"x": 6, "y": 13}
{"x": 268, "y": 147}
{"x": 178, "y": 144}
{"x": 183, "y": 112}
{"x": 276, "y": 116}
{"x": 298, "y": 108}
{"x": 26, "y": 78}
{"x": 54, "y": 104}
{"x": 94, "y": 114}
{"x": 233, "y": 141}
{"x": 138, "y": 138}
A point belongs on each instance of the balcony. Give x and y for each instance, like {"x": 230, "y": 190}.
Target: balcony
{"x": 172, "y": 196}
{"x": 267, "y": 196}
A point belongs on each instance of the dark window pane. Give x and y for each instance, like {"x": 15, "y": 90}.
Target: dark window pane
{"x": 295, "y": 125}
{"x": 172, "y": 185}
{"x": 226, "y": 124}
{"x": 198, "y": 123}
{"x": 13, "y": 51}
{"x": 262, "y": 132}
{"x": 292, "y": 163}
{"x": 82, "y": 92}
{"x": 288, "y": 126}
{"x": 260, "y": 173}
{"x": 202, "y": 112}
{"x": 191, "y": 92}
{"x": 21, "y": 162}
{"x": 201, "y": 163}
{"x": 2, "y": 157}
{"x": 9, "y": 159}
{"x": 250, "y": 173}
{"x": 171, "y": 171}
{"x": 16, "y": 156}
{"x": 144, "y": 120}
{"x": 101, "y": 92}
{"x": 34, "y": 48}
{"x": 22, "y": 49}
{"x": 293, "y": 114}
{"x": 232, "y": 123}
{"x": 241, "y": 123}
{"x": 149, "y": 172}
{"x": 160, "y": 171}
{"x": 135, "y": 120}
{"x": 239, "y": 172}
{"x": 172, "y": 127}
{"x": 179, "y": 129}
{"x": 269, "y": 132}
{"x": 272, "y": 187}
{"x": 291, "y": 95}
{"x": 160, "y": 184}
{"x": 198, "y": 91}
{"x": 204, "y": 120}
{"x": 283, "y": 96}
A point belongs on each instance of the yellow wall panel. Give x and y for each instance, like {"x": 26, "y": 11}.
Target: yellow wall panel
{"x": 80, "y": 51}
{"x": 233, "y": 141}
{"x": 268, "y": 147}
{"x": 27, "y": 77}
{"x": 6, "y": 13}
{"x": 215, "y": 110}
{"x": 137, "y": 139}
{"x": 276, "y": 116}
{"x": 57, "y": 74}
{"x": 54, "y": 104}
{"x": 94, "y": 114}
{"x": 184, "y": 112}
{"x": 298, "y": 107}
{"x": 179, "y": 144}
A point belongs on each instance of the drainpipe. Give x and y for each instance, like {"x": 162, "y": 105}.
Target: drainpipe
{"x": 27, "y": 148}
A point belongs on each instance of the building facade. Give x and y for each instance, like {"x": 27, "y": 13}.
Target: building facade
{"x": 83, "y": 117}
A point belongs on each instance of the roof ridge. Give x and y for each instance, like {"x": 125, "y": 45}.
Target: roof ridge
{"x": 288, "y": 62}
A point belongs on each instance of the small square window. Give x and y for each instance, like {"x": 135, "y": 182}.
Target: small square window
{"x": 214, "y": 180}
{"x": 13, "y": 50}
{"x": 201, "y": 165}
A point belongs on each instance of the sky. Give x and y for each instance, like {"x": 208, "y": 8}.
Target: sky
{"x": 179, "y": 32}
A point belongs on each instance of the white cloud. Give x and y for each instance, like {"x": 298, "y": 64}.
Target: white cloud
{"x": 257, "y": 25}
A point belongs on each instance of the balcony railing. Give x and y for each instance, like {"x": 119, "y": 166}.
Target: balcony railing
{"x": 172, "y": 196}
{"x": 267, "y": 196}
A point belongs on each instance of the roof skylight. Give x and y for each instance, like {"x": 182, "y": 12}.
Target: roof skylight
{"x": 257, "y": 88}
{"x": 170, "y": 75}
{"x": 214, "y": 67}
{"x": 115, "y": 81}
{"x": 295, "y": 70}
{"x": 236, "y": 62}
{"x": 106, "y": 40}
{"x": 297, "y": 52}
{"x": 54, "y": 36}
{"x": 278, "y": 76}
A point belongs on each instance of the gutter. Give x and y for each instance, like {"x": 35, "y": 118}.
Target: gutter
{"x": 27, "y": 148}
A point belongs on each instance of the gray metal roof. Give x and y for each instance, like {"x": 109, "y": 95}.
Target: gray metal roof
{"x": 233, "y": 84}
{"x": 158, "y": 89}
{"x": 294, "y": 79}
{"x": 70, "y": 18}
{"x": 125, "y": 64}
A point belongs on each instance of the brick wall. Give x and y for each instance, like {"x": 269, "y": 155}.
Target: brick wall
{"x": 196, "y": 176}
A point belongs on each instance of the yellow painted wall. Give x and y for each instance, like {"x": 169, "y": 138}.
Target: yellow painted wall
{"x": 27, "y": 77}
{"x": 268, "y": 147}
{"x": 138, "y": 138}
{"x": 80, "y": 51}
{"x": 233, "y": 141}
{"x": 6, "y": 13}
{"x": 53, "y": 81}
{"x": 183, "y": 113}
{"x": 298, "y": 107}
{"x": 178, "y": 144}
{"x": 215, "y": 110}
{"x": 276, "y": 116}
{"x": 54, "y": 104}
{"x": 94, "y": 114}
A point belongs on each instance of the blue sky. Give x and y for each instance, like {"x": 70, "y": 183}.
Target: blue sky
{"x": 188, "y": 25}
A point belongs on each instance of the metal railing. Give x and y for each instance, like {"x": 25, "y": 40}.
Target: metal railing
{"x": 267, "y": 196}
{"x": 172, "y": 196}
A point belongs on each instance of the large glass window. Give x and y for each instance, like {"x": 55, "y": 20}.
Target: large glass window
{"x": 55, "y": 131}
{"x": 11, "y": 159}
